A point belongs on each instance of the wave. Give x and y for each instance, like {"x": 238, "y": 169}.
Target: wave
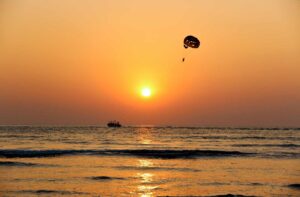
{"x": 221, "y": 195}
{"x": 279, "y": 155}
{"x": 162, "y": 154}
{"x": 230, "y": 195}
{"x": 105, "y": 178}
{"x": 39, "y": 179}
{"x": 262, "y": 138}
{"x": 294, "y": 186}
{"x": 156, "y": 168}
{"x": 37, "y": 153}
{"x": 233, "y": 183}
{"x": 267, "y": 145}
{"x": 13, "y": 163}
{"x": 23, "y": 164}
{"x": 170, "y": 154}
{"x": 51, "y": 192}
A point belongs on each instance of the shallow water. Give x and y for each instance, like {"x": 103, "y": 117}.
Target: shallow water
{"x": 148, "y": 161}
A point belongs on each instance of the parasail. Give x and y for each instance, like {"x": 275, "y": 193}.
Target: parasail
{"x": 191, "y": 41}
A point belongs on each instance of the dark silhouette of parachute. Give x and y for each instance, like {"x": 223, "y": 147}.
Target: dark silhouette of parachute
{"x": 191, "y": 41}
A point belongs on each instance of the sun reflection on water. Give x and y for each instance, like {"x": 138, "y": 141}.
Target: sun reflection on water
{"x": 146, "y": 141}
{"x": 146, "y": 190}
{"x": 145, "y": 177}
{"x": 145, "y": 163}
{"x": 144, "y": 136}
{"x": 146, "y": 187}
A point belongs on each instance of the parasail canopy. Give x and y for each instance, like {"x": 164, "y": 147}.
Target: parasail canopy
{"x": 191, "y": 41}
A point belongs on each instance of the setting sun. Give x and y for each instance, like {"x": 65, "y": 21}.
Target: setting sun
{"x": 159, "y": 98}
{"x": 146, "y": 92}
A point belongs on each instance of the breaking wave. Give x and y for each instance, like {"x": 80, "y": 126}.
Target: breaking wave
{"x": 294, "y": 186}
{"x": 105, "y": 178}
{"x": 52, "y": 192}
{"x": 163, "y": 154}
{"x": 13, "y": 163}
{"x": 267, "y": 145}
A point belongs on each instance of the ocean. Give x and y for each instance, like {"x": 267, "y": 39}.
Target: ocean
{"x": 149, "y": 161}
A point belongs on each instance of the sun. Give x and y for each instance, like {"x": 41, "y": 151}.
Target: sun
{"x": 146, "y": 92}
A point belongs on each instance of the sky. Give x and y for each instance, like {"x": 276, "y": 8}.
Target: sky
{"x": 84, "y": 62}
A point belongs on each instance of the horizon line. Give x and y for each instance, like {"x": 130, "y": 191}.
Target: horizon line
{"x": 153, "y": 126}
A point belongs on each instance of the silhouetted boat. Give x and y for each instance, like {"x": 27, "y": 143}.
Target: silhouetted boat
{"x": 114, "y": 124}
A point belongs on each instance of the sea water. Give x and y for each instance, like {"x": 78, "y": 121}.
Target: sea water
{"x": 149, "y": 161}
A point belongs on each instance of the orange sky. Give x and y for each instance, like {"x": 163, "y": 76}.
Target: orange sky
{"x": 84, "y": 62}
